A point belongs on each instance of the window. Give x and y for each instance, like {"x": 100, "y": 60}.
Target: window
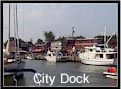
{"x": 90, "y": 50}
{"x": 59, "y": 54}
{"x": 110, "y": 56}
{"x": 49, "y": 55}
{"x": 101, "y": 55}
{"x": 54, "y": 54}
{"x": 97, "y": 50}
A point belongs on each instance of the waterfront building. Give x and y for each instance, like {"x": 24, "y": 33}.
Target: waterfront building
{"x": 81, "y": 43}
{"x": 69, "y": 43}
{"x": 41, "y": 47}
{"x": 56, "y": 45}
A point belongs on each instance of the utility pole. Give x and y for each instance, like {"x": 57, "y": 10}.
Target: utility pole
{"x": 73, "y": 47}
{"x": 72, "y": 32}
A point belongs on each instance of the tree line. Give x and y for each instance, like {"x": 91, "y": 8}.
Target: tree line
{"x": 49, "y": 36}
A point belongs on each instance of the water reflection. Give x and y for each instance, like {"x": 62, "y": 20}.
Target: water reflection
{"x": 72, "y": 69}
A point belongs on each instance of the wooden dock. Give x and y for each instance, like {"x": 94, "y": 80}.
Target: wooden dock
{"x": 40, "y": 57}
{"x": 73, "y": 57}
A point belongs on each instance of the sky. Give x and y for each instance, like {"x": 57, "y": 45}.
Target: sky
{"x": 88, "y": 19}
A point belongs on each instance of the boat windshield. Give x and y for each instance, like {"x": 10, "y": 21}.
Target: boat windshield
{"x": 110, "y": 56}
{"x": 57, "y": 54}
{"x": 102, "y": 46}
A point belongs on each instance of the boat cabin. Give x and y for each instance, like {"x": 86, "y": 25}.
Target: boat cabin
{"x": 97, "y": 52}
{"x": 52, "y": 53}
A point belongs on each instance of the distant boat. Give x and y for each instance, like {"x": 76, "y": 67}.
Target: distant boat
{"x": 55, "y": 56}
{"x": 110, "y": 75}
{"x": 30, "y": 57}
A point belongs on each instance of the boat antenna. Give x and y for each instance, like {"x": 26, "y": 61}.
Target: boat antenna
{"x": 73, "y": 32}
{"x": 105, "y": 34}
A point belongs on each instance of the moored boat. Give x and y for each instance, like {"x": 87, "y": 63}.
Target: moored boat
{"x": 98, "y": 55}
{"x": 11, "y": 54}
{"x": 30, "y": 57}
{"x": 112, "y": 77}
{"x": 108, "y": 73}
{"x": 55, "y": 56}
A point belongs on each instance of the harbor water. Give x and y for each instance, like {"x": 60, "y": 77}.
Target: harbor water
{"x": 71, "y": 68}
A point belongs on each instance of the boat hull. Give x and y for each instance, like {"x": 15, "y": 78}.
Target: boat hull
{"x": 56, "y": 56}
{"x": 98, "y": 61}
{"x": 29, "y": 57}
{"x": 112, "y": 77}
{"x": 15, "y": 65}
{"x": 108, "y": 73}
{"x": 54, "y": 59}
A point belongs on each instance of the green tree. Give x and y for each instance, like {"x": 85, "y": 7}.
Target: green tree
{"x": 107, "y": 36}
{"x": 113, "y": 37}
{"x": 39, "y": 41}
{"x": 99, "y": 36}
{"x": 79, "y": 37}
{"x": 49, "y": 36}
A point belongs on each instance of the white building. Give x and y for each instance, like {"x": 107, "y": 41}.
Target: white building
{"x": 56, "y": 46}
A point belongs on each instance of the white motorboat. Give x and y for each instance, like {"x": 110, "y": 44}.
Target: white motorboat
{"x": 98, "y": 55}
{"x": 112, "y": 77}
{"x": 30, "y": 57}
{"x": 55, "y": 56}
{"x": 108, "y": 73}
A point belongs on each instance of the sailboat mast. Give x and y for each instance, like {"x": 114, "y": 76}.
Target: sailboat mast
{"x": 9, "y": 23}
{"x": 15, "y": 34}
{"x": 105, "y": 35}
{"x": 17, "y": 29}
{"x": 8, "y": 43}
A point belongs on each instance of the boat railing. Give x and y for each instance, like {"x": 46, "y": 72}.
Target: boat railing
{"x": 20, "y": 70}
{"x": 97, "y": 50}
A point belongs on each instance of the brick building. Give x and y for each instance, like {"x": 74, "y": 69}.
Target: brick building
{"x": 81, "y": 43}
{"x": 41, "y": 47}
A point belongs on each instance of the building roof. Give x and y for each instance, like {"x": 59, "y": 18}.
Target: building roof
{"x": 88, "y": 39}
{"x": 56, "y": 42}
{"x": 85, "y": 43}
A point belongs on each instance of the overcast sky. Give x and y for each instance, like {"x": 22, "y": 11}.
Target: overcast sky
{"x": 87, "y": 18}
